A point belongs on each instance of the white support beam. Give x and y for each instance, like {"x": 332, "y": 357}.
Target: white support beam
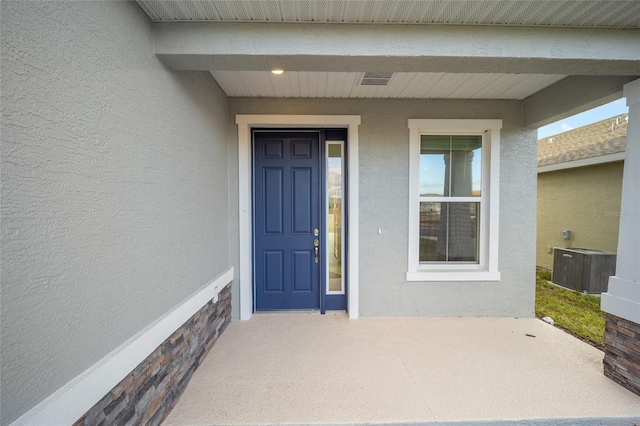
{"x": 623, "y": 295}
{"x": 398, "y": 48}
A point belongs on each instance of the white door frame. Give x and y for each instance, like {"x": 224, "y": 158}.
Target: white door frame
{"x": 245, "y": 123}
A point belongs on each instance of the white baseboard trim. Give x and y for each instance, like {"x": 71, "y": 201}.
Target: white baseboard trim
{"x": 66, "y": 405}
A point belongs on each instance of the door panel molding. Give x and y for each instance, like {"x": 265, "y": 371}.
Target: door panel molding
{"x": 245, "y": 123}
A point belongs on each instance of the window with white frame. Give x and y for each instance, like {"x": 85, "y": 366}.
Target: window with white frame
{"x": 453, "y": 212}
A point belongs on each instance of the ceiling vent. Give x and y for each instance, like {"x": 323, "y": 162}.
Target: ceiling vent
{"x": 376, "y": 78}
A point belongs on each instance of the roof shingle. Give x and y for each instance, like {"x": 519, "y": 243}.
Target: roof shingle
{"x": 601, "y": 138}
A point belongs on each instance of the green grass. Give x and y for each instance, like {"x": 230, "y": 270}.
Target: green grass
{"x": 577, "y": 313}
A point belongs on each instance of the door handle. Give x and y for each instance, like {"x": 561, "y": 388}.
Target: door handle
{"x": 316, "y": 243}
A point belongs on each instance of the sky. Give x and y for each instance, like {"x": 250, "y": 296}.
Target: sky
{"x": 600, "y": 113}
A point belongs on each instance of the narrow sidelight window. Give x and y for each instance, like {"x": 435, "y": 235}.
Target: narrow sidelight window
{"x": 335, "y": 218}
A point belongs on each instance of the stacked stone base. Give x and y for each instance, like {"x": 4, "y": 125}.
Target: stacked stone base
{"x": 149, "y": 392}
{"x": 622, "y": 352}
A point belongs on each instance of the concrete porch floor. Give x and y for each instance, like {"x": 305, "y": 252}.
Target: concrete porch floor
{"x": 326, "y": 369}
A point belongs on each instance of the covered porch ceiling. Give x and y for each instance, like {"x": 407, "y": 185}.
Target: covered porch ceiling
{"x": 535, "y": 51}
{"x": 416, "y": 85}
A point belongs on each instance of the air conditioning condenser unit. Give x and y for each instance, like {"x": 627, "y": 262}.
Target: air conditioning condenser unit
{"x": 583, "y": 270}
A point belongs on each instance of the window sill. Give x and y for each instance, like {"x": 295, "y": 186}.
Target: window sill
{"x": 453, "y": 275}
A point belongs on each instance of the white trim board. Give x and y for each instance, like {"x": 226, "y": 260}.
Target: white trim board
{"x": 71, "y": 401}
{"x": 601, "y": 159}
{"x": 245, "y": 122}
{"x": 622, "y": 299}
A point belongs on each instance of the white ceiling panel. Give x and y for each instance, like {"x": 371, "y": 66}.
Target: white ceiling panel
{"x": 529, "y": 85}
{"x": 544, "y": 13}
{"x": 446, "y": 85}
{"x": 402, "y": 85}
{"x": 475, "y": 83}
{"x": 499, "y": 86}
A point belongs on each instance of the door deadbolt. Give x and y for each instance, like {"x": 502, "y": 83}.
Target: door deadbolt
{"x": 316, "y": 232}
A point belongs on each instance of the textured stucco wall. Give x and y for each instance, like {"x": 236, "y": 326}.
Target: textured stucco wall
{"x": 114, "y": 188}
{"x": 384, "y": 159}
{"x": 584, "y": 200}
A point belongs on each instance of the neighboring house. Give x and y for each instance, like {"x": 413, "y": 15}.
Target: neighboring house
{"x": 580, "y": 188}
{"x": 132, "y": 144}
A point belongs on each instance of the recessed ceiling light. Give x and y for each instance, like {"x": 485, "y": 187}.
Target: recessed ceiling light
{"x": 277, "y": 71}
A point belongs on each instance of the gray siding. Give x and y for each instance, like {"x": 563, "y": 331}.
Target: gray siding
{"x": 114, "y": 189}
{"x": 384, "y": 180}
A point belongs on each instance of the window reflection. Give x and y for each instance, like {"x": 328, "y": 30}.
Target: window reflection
{"x": 450, "y": 169}
{"x": 449, "y": 232}
{"x": 450, "y": 166}
{"x": 334, "y": 217}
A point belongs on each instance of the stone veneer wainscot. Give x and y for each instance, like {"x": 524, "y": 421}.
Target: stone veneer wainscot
{"x": 149, "y": 392}
{"x": 622, "y": 352}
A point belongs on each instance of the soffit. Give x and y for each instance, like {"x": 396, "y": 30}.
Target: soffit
{"x": 537, "y": 13}
{"x": 402, "y": 85}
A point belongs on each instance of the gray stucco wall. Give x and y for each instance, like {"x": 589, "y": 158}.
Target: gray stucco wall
{"x": 114, "y": 189}
{"x": 384, "y": 179}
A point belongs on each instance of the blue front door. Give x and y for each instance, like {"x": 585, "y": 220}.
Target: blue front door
{"x": 286, "y": 220}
